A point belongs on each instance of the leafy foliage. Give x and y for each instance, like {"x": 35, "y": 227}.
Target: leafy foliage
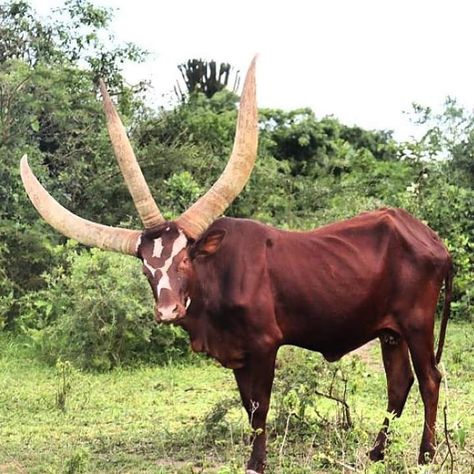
{"x": 49, "y": 110}
{"x": 310, "y": 171}
{"x": 96, "y": 313}
{"x": 72, "y": 34}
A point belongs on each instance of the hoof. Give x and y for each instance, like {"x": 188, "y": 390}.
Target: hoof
{"x": 426, "y": 457}
{"x": 251, "y": 471}
{"x": 376, "y": 455}
{"x": 427, "y": 453}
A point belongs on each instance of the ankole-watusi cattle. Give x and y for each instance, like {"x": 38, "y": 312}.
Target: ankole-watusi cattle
{"x": 242, "y": 289}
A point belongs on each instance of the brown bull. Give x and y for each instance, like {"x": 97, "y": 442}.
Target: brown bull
{"x": 242, "y": 289}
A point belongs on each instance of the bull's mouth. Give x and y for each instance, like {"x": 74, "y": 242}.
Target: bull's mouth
{"x": 173, "y": 320}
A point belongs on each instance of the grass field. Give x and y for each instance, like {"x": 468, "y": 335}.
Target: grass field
{"x": 187, "y": 419}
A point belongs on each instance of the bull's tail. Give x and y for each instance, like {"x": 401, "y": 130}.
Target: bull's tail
{"x": 448, "y": 286}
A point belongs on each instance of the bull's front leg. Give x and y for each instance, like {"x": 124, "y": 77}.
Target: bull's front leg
{"x": 255, "y": 384}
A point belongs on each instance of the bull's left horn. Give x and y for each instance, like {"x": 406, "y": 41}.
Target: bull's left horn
{"x": 84, "y": 231}
{"x": 132, "y": 174}
{"x": 206, "y": 209}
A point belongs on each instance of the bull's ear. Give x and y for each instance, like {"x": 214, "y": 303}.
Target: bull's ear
{"x": 209, "y": 244}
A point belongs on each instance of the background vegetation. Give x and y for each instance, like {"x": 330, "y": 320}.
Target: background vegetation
{"x": 65, "y": 308}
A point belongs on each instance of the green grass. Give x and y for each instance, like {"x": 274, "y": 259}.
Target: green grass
{"x": 187, "y": 419}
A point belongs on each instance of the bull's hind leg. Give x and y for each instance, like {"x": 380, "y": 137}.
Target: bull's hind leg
{"x": 420, "y": 343}
{"x": 399, "y": 381}
{"x": 418, "y": 330}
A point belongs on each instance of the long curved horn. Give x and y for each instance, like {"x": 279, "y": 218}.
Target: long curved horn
{"x": 230, "y": 183}
{"x": 144, "y": 202}
{"x": 72, "y": 226}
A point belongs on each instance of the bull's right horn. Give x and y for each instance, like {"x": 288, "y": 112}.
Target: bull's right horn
{"x": 84, "y": 231}
{"x": 195, "y": 220}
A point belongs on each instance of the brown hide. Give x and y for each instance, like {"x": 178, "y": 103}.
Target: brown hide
{"x": 330, "y": 290}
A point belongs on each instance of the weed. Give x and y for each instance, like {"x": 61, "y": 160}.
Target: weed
{"x": 78, "y": 462}
{"x": 64, "y": 372}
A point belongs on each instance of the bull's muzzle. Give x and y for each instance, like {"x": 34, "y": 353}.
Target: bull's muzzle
{"x": 169, "y": 313}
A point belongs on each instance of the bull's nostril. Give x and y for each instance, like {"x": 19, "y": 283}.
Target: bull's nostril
{"x": 175, "y": 309}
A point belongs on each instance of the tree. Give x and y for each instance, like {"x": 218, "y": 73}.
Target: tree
{"x": 449, "y": 134}
{"x": 69, "y": 36}
{"x": 317, "y": 147}
{"x": 205, "y": 77}
{"x": 49, "y": 109}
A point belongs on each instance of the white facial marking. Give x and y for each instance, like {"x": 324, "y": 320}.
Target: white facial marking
{"x": 139, "y": 241}
{"x": 158, "y": 248}
{"x": 149, "y": 267}
{"x": 178, "y": 245}
{"x": 188, "y": 302}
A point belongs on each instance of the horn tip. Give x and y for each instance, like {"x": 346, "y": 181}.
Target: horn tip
{"x": 250, "y": 76}
{"x": 24, "y": 162}
{"x": 253, "y": 63}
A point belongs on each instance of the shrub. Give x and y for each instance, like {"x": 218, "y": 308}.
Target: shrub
{"x": 6, "y": 290}
{"x": 97, "y": 313}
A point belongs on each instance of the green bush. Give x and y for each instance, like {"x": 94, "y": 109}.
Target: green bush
{"x": 306, "y": 385}
{"x": 97, "y": 313}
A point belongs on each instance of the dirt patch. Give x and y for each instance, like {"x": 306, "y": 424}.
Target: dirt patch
{"x": 370, "y": 354}
{"x": 12, "y": 468}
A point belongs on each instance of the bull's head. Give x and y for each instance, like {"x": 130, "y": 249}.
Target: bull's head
{"x": 166, "y": 248}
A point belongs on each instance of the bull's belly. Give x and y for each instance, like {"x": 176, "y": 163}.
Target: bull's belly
{"x": 334, "y": 336}
{"x": 336, "y": 350}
